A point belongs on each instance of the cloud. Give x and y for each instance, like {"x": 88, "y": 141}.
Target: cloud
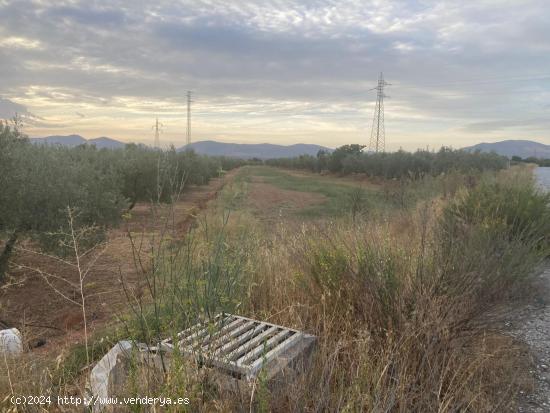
{"x": 504, "y": 124}
{"x": 84, "y": 14}
{"x": 9, "y": 109}
{"x": 14, "y": 42}
{"x": 455, "y": 67}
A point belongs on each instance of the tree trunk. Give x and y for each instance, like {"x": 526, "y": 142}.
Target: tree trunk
{"x": 6, "y": 254}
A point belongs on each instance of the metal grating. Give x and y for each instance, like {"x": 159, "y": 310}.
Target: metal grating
{"x": 238, "y": 346}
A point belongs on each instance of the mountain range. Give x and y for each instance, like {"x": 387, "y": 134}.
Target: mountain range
{"x": 212, "y": 148}
{"x": 522, "y": 148}
{"x": 256, "y": 150}
{"x": 75, "y": 140}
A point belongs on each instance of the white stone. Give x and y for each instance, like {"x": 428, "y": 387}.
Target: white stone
{"x": 109, "y": 376}
{"x": 109, "y": 373}
{"x": 11, "y": 342}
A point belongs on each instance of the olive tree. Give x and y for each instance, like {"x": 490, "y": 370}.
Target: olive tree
{"x": 39, "y": 182}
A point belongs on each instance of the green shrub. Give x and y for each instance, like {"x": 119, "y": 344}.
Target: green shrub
{"x": 197, "y": 278}
{"x": 490, "y": 239}
{"x": 513, "y": 208}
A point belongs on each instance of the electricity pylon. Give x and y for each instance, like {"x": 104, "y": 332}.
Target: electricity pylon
{"x": 157, "y": 128}
{"x": 378, "y": 134}
{"x": 188, "y": 117}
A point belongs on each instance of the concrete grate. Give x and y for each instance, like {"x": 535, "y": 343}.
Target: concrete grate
{"x": 240, "y": 346}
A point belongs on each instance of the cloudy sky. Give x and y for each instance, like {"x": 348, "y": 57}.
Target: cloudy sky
{"x": 279, "y": 71}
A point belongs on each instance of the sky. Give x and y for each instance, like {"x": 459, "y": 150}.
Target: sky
{"x": 278, "y": 71}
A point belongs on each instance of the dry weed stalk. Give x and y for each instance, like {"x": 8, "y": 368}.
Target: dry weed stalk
{"x": 84, "y": 261}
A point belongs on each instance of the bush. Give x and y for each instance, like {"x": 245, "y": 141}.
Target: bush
{"x": 491, "y": 238}
{"x": 511, "y": 207}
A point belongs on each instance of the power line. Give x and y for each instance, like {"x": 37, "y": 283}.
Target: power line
{"x": 479, "y": 81}
{"x": 378, "y": 133}
{"x": 246, "y": 106}
{"x": 423, "y": 86}
{"x": 249, "y": 105}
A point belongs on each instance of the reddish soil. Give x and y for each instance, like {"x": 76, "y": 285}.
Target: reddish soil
{"x": 37, "y": 297}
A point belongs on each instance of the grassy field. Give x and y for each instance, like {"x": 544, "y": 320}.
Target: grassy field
{"x": 395, "y": 278}
{"x": 278, "y": 195}
{"x": 330, "y": 198}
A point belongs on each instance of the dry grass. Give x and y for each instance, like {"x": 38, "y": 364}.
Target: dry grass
{"x": 382, "y": 347}
{"x": 395, "y": 333}
{"x": 399, "y": 314}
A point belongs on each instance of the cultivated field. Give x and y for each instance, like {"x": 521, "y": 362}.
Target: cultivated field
{"x": 34, "y": 300}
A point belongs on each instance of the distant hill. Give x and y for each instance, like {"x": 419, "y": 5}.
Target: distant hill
{"x": 104, "y": 142}
{"x": 69, "y": 140}
{"x": 247, "y": 151}
{"x": 509, "y": 148}
{"x": 75, "y": 140}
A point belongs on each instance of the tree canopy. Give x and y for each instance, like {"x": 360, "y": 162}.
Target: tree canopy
{"x": 39, "y": 182}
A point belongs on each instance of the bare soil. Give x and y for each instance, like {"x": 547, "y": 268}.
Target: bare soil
{"x": 272, "y": 201}
{"x": 30, "y": 302}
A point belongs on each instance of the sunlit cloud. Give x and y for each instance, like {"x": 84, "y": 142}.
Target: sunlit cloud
{"x": 14, "y": 42}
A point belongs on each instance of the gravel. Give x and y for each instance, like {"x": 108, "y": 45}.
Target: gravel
{"x": 531, "y": 324}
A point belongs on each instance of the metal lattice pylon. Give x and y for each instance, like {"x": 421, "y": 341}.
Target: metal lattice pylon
{"x": 188, "y": 134}
{"x": 157, "y": 127}
{"x": 378, "y": 134}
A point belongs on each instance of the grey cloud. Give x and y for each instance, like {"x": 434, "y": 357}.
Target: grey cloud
{"x": 86, "y": 15}
{"x": 331, "y": 55}
{"x": 9, "y": 109}
{"x": 503, "y": 124}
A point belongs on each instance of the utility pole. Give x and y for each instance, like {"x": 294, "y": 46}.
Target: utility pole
{"x": 378, "y": 134}
{"x": 157, "y": 128}
{"x": 188, "y": 117}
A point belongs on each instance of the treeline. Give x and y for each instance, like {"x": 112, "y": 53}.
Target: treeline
{"x": 531, "y": 159}
{"x": 350, "y": 159}
{"x": 39, "y": 182}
